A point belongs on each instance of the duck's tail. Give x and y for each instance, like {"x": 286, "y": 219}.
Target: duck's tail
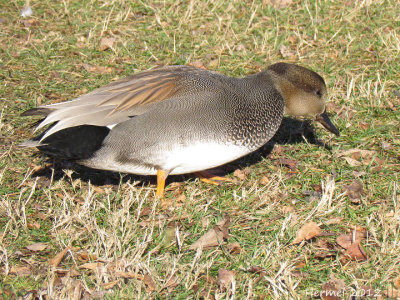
{"x": 79, "y": 142}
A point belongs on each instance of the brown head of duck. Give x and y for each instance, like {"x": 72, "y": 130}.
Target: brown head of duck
{"x": 304, "y": 92}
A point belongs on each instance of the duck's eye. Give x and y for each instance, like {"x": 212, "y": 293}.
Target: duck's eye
{"x": 318, "y": 93}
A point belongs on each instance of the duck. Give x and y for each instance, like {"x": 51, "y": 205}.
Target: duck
{"x": 178, "y": 119}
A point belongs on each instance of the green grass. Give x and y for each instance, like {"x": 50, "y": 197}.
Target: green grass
{"x": 354, "y": 46}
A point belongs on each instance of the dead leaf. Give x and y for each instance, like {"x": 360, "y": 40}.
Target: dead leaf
{"x": 85, "y": 256}
{"x": 391, "y": 105}
{"x": 21, "y": 270}
{"x": 324, "y": 249}
{"x": 107, "y": 43}
{"x": 287, "y": 209}
{"x": 356, "y": 252}
{"x": 363, "y": 125}
{"x": 234, "y": 248}
{"x": 280, "y": 3}
{"x": 354, "y": 190}
{"x": 334, "y": 221}
{"x": 110, "y": 285}
{"x": 96, "y": 69}
{"x": 333, "y": 289}
{"x": 148, "y": 281}
{"x": 29, "y": 22}
{"x": 34, "y": 225}
{"x": 215, "y": 236}
{"x": 130, "y": 275}
{"x": 290, "y": 163}
{"x": 90, "y": 266}
{"x": 240, "y": 174}
{"x": 264, "y": 180}
{"x": 225, "y": 279}
{"x": 198, "y": 64}
{"x": 306, "y": 232}
{"x": 172, "y": 282}
{"x": 74, "y": 273}
{"x": 352, "y": 162}
{"x": 346, "y": 240}
{"x": 353, "y": 156}
{"x": 37, "y": 247}
{"x": 54, "y": 262}
{"x": 256, "y": 269}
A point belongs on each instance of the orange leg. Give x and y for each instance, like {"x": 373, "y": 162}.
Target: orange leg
{"x": 161, "y": 177}
{"x": 208, "y": 177}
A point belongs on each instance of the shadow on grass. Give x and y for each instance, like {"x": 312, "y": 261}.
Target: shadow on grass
{"x": 291, "y": 131}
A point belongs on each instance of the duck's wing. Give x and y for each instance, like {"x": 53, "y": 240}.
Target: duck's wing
{"x": 119, "y": 100}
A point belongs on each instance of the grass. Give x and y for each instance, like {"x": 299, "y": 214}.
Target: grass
{"x": 114, "y": 221}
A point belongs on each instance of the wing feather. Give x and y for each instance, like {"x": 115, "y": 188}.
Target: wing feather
{"x": 117, "y": 101}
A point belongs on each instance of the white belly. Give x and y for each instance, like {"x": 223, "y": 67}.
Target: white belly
{"x": 201, "y": 156}
{"x": 180, "y": 160}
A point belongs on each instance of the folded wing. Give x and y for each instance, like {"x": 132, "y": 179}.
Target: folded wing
{"x": 117, "y": 101}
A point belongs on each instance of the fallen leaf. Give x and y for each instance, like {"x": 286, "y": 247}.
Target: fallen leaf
{"x": 264, "y": 180}
{"x": 391, "y": 105}
{"x": 54, "y": 262}
{"x": 21, "y": 270}
{"x": 306, "y": 232}
{"x": 356, "y": 252}
{"x": 234, "y": 248}
{"x": 110, "y": 285}
{"x": 148, "y": 281}
{"x": 74, "y": 273}
{"x": 96, "y": 69}
{"x": 130, "y": 275}
{"x": 334, "y": 221}
{"x": 33, "y": 225}
{"x": 37, "y": 247}
{"x": 324, "y": 249}
{"x": 225, "y": 279}
{"x": 352, "y": 162}
{"x": 354, "y": 190}
{"x": 333, "y": 289}
{"x": 290, "y": 163}
{"x": 239, "y": 174}
{"x": 256, "y": 269}
{"x": 353, "y": 156}
{"x": 107, "y": 43}
{"x": 359, "y": 174}
{"x": 198, "y": 64}
{"x": 346, "y": 240}
{"x": 85, "y": 256}
{"x": 29, "y": 22}
{"x": 172, "y": 282}
{"x": 90, "y": 266}
{"x": 215, "y": 236}
{"x": 363, "y": 125}
{"x": 287, "y": 209}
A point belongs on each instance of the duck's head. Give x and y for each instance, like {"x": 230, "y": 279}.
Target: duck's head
{"x": 304, "y": 92}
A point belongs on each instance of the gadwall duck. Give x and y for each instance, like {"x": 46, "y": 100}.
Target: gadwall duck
{"x": 178, "y": 119}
